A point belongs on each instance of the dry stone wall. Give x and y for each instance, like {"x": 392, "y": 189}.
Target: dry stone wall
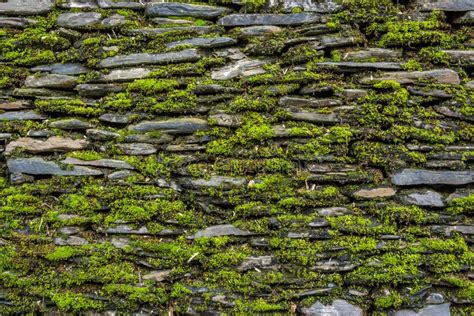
{"x": 236, "y": 157}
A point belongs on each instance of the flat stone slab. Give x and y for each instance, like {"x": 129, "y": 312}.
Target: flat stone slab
{"x": 441, "y": 76}
{"x": 373, "y": 52}
{"x": 427, "y": 198}
{"x": 79, "y": 20}
{"x": 313, "y": 117}
{"x": 97, "y": 90}
{"x": 172, "y": 126}
{"x": 218, "y": 181}
{"x": 17, "y": 23}
{"x": 186, "y": 55}
{"x": 269, "y": 19}
{"x": 195, "y": 30}
{"x": 241, "y": 68}
{"x": 259, "y": 30}
{"x": 205, "y": 42}
{"x": 348, "y": 66}
{"x": 100, "y": 163}
{"x": 375, "y": 193}
{"x": 63, "y": 69}
{"x": 52, "y": 144}
{"x": 123, "y": 75}
{"x": 220, "y": 230}
{"x": 26, "y": 7}
{"x": 430, "y": 310}
{"x": 432, "y": 177}
{"x": 137, "y": 149}
{"x": 447, "y": 5}
{"x": 21, "y": 116}
{"x": 54, "y": 81}
{"x": 112, "y": 4}
{"x": 305, "y": 102}
{"x": 70, "y": 124}
{"x": 38, "y": 166}
{"x": 337, "y": 308}
{"x": 184, "y": 9}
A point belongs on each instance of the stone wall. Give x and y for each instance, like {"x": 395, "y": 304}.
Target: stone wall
{"x": 242, "y": 157}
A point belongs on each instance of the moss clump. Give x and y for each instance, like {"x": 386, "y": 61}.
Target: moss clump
{"x": 63, "y": 253}
{"x": 412, "y": 65}
{"x": 68, "y": 106}
{"x": 461, "y": 205}
{"x": 152, "y": 86}
{"x": 73, "y": 302}
{"x": 85, "y": 155}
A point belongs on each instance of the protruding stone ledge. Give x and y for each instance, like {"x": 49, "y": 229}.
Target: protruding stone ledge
{"x": 38, "y": 166}
{"x": 432, "y": 177}
{"x": 441, "y": 76}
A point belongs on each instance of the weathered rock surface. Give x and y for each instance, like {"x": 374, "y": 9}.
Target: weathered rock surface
{"x": 184, "y": 9}
{"x": 187, "y": 55}
{"x": 172, "y": 126}
{"x": 21, "y": 116}
{"x": 244, "y": 68}
{"x": 26, "y": 7}
{"x": 63, "y": 69}
{"x": 375, "y": 193}
{"x": 80, "y": 20}
{"x": 428, "y": 198}
{"x": 269, "y": 19}
{"x": 51, "y": 81}
{"x": 347, "y": 66}
{"x": 220, "y": 230}
{"x": 137, "y": 149}
{"x": 38, "y": 166}
{"x": 441, "y": 76}
{"x": 52, "y": 144}
{"x": 70, "y": 124}
{"x": 432, "y": 177}
{"x": 338, "y": 307}
{"x": 430, "y": 310}
{"x": 206, "y": 42}
{"x": 101, "y": 163}
{"x": 448, "y": 5}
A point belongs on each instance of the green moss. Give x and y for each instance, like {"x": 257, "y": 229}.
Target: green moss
{"x": 434, "y": 56}
{"x": 63, "y": 253}
{"x": 394, "y": 300}
{"x": 461, "y": 205}
{"x": 412, "y": 65}
{"x": 68, "y": 106}
{"x": 85, "y": 155}
{"x": 258, "y": 306}
{"x": 387, "y": 85}
{"x": 152, "y": 86}
{"x": 360, "y": 225}
{"x": 73, "y": 302}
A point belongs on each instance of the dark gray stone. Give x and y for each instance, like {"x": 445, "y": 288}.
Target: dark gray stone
{"x": 101, "y": 163}
{"x": 220, "y": 230}
{"x": 259, "y": 30}
{"x": 97, "y": 90}
{"x": 430, "y": 310}
{"x": 119, "y": 175}
{"x": 102, "y": 135}
{"x": 85, "y": 4}
{"x": 435, "y": 298}
{"x": 218, "y": 181}
{"x": 432, "y": 177}
{"x": 112, "y": 21}
{"x": 348, "y": 66}
{"x": 137, "y": 149}
{"x": 329, "y": 41}
{"x": 195, "y": 30}
{"x": 441, "y": 76}
{"x": 332, "y": 266}
{"x": 337, "y": 308}
{"x": 184, "y": 9}
{"x": 17, "y": 23}
{"x": 38, "y": 166}
{"x": 373, "y": 52}
{"x": 186, "y": 55}
{"x": 21, "y": 116}
{"x": 50, "y": 81}
{"x": 447, "y": 5}
{"x": 313, "y": 117}
{"x": 115, "y": 118}
{"x": 260, "y": 262}
{"x": 26, "y": 7}
{"x": 427, "y": 198}
{"x": 116, "y": 4}
{"x": 241, "y": 68}
{"x": 63, "y": 69}
{"x": 172, "y": 126}
{"x": 70, "y": 241}
{"x": 269, "y": 19}
{"x": 314, "y": 103}
{"x": 79, "y": 20}
{"x": 205, "y": 42}
{"x": 70, "y": 124}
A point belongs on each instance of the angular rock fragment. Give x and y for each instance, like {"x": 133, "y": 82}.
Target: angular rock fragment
{"x": 441, "y": 76}
{"x": 26, "y": 7}
{"x": 375, "y": 193}
{"x": 52, "y": 144}
{"x": 241, "y": 68}
{"x": 204, "y": 42}
{"x": 465, "y": 18}
{"x": 63, "y": 69}
{"x": 51, "y": 81}
{"x": 269, "y": 19}
{"x": 259, "y": 30}
{"x": 102, "y": 135}
{"x": 432, "y": 177}
{"x": 70, "y": 124}
{"x": 447, "y": 5}
{"x": 186, "y": 55}
{"x": 427, "y": 198}
{"x": 122, "y": 75}
{"x": 137, "y": 149}
{"x": 79, "y": 20}
{"x": 157, "y": 276}
{"x": 172, "y": 126}
{"x": 338, "y": 307}
{"x": 260, "y": 262}
{"x": 19, "y": 23}
{"x": 21, "y": 116}
{"x": 100, "y": 163}
{"x": 38, "y": 166}
{"x": 220, "y": 230}
{"x": 97, "y": 90}
{"x": 429, "y": 310}
{"x": 184, "y": 9}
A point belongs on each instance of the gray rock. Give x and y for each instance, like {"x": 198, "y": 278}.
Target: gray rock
{"x": 119, "y": 175}
{"x": 269, "y": 19}
{"x": 227, "y": 120}
{"x": 435, "y": 298}
{"x": 332, "y": 266}
{"x": 441, "y": 76}
{"x": 15, "y": 105}
{"x": 373, "y": 52}
{"x": 430, "y": 310}
{"x": 260, "y": 262}
{"x": 177, "y": 126}
{"x": 259, "y": 30}
{"x": 447, "y": 5}
{"x": 220, "y": 230}
{"x": 205, "y": 42}
{"x": 334, "y": 211}
{"x": 26, "y": 7}
{"x": 157, "y": 276}
{"x": 19, "y": 178}
{"x": 114, "y": 20}
{"x": 63, "y": 69}
{"x": 374, "y": 193}
{"x": 50, "y": 81}
{"x": 115, "y": 118}
{"x": 86, "y": 4}
{"x": 432, "y": 177}
{"x": 435, "y": 93}
{"x": 449, "y": 112}
{"x": 40, "y": 92}
{"x": 330, "y": 41}
{"x": 318, "y": 223}
{"x": 137, "y": 149}
{"x": 42, "y": 133}
{"x": 38, "y": 166}
{"x": 218, "y": 181}
{"x": 126, "y": 229}
{"x": 184, "y": 9}
{"x": 325, "y": 6}
{"x": 428, "y": 198}
{"x": 79, "y": 20}
{"x": 348, "y": 66}
{"x": 151, "y": 32}
{"x": 461, "y": 56}
{"x": 70, "y": 124}
{"x": 123, "y": 75}
{"x": 17, "y": 23}
{"x": 52, "y": 144}
{"x": 304, "y": 102}
{"x": 241, "y": 68}
{"x": 313, "y": 117}
{"x": 97, "y": 90}
{"x": 465, "y": 18}
{"x": 115, "y": 4}
{"x": 101, "y": 163}
{"x": 70, "y": 241}
{"x": 187, "y": 55}
{"x": 163, "y": 138}
{"x": 102, "y": 135}
{"x": 21, "y": 116}
{"x": 337, "y": 308}
{"x": 353, "y": 94}
{"x": 448, "y": 230}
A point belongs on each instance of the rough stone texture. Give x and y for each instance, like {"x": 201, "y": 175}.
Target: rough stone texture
{"x": 306, "y": 157}
{"x": 146, "y": 59}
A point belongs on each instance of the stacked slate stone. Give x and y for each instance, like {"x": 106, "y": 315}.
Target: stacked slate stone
{"x": 237, "y": 157}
